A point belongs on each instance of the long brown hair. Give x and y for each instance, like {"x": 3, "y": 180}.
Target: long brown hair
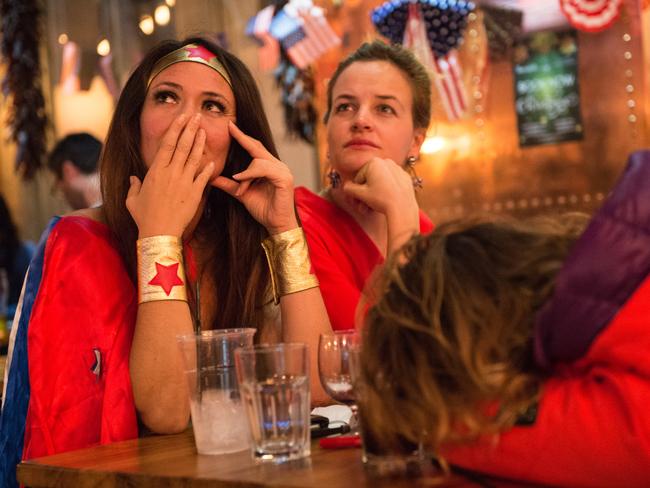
{"x": 237, "y": 265}
{"x": 446, "y": 352}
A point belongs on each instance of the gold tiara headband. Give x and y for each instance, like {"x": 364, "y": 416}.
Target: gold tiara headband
{"x": 190, "y": 52}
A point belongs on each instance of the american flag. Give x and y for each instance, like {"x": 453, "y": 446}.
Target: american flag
{"x": 445, "y": 70}
{"x": 310, "y": 40}
{"x": 260, "y": 23}
{"x": 258, "y": 27}
{"x": 448, "y": 79}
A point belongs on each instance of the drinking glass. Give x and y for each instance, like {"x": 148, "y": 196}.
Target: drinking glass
{"x": 218, "y": 418}
{"x": 334, "y": 368}
{"x": 274, "y": 383}
{"x": 408, "y": 460}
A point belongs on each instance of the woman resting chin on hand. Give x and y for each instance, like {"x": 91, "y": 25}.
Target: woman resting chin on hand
{"x": 378, "y": 111}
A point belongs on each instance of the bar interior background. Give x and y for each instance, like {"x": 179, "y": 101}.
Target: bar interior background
{"x": 476, "y": 164}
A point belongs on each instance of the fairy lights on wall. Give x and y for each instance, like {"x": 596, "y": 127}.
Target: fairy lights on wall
{"x": 630, "y": 89}
{"x": 476, "y": 83}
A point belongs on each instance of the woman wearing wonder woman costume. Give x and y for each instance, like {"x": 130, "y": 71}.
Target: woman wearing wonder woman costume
{"x": 192, "y": 190}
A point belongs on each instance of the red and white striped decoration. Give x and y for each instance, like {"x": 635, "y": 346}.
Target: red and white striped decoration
{"x": 446, "y": 71}
{"x": 591, "y": 15}
{"x": 448, "y": 79}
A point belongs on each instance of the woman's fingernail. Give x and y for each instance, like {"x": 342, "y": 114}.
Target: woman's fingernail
{"x": 236, "y": 176}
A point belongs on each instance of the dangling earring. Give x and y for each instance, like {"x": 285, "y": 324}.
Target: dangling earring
{"x": 410, "y": 168}
{"x": 335, "y": 178}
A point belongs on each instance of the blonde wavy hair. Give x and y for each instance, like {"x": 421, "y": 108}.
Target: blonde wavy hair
{"x": 447, "y": 351}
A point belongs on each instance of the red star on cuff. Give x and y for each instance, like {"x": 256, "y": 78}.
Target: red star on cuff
{"x": 167, "y": 277}
{"x": 199, "y": 52}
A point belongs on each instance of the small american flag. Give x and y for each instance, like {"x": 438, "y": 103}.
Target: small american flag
{"x": 258, "y": 28}
{"x": 310, "y": 40}
{"x": 445, "y": 70}
{"x": 260, "y": 23}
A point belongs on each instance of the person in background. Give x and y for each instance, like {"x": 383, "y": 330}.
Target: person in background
{"x": 520, "y": 350}
{"x": 74, "y": 161}
{"x": 15, "y": 255}
{"x": 198, "y": 230}
{"x": 378, "y": 111}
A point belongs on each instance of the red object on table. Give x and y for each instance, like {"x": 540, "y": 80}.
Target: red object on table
{"x": 340, "y": 442}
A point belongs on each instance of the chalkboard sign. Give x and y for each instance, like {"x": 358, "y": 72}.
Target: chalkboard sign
{"x": 547, "y": 99}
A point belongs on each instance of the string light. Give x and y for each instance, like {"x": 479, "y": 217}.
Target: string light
{"x": 432, "y": 145}
{"x": 146, "y": 24}
{"x": 162, "y": 15}
{"x": 104, "y": 47}
{"x": 170, "y": 3}
{"x": 477, "y": 89}
{"x": 63, "y": 38}
{"x": 587, "y": 200}
{"x": 629, "y": 79}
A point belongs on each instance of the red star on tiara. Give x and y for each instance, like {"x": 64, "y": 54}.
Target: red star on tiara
{"x": 199, "y": 52}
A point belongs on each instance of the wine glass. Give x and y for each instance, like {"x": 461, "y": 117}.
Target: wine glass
{"x": 334, "y": 356}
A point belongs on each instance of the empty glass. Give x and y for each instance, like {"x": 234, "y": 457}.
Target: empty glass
{"x": 274, "y": 382}
{"x": 218, "y": 417}
{"x": 408, "y": 460}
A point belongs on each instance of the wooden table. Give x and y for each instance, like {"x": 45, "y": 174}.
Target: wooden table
{"x": 172, "y": 462}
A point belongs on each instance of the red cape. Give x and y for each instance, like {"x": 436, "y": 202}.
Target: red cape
{"x": 84, "y": 313}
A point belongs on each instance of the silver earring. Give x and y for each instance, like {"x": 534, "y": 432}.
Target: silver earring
{"x": 410, "y": 168}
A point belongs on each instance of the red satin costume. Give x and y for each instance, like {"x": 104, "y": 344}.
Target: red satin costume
{"x": 342, "y": 254}
{"x": 78, "y": 323}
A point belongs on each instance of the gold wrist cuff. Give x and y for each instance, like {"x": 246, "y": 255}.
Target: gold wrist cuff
{"x": 289, "y": 263}
{"x": 161, "y": 273}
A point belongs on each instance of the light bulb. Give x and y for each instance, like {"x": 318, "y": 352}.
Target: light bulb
{"x": 104, "y": 47}
{"x": 162, "y": 15}
{"x": 146, "y": 24}
{"x": 432, "y": 145}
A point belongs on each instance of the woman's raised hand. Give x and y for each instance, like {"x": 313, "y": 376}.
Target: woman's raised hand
{"x": 386, "y": 188}
{"x": 383, "y": 186}
{"x": 168, "y": 198}
{"x": 265, "y": 188}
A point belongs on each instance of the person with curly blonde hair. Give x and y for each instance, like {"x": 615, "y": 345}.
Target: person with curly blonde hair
{"x": 520, "y": 349}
